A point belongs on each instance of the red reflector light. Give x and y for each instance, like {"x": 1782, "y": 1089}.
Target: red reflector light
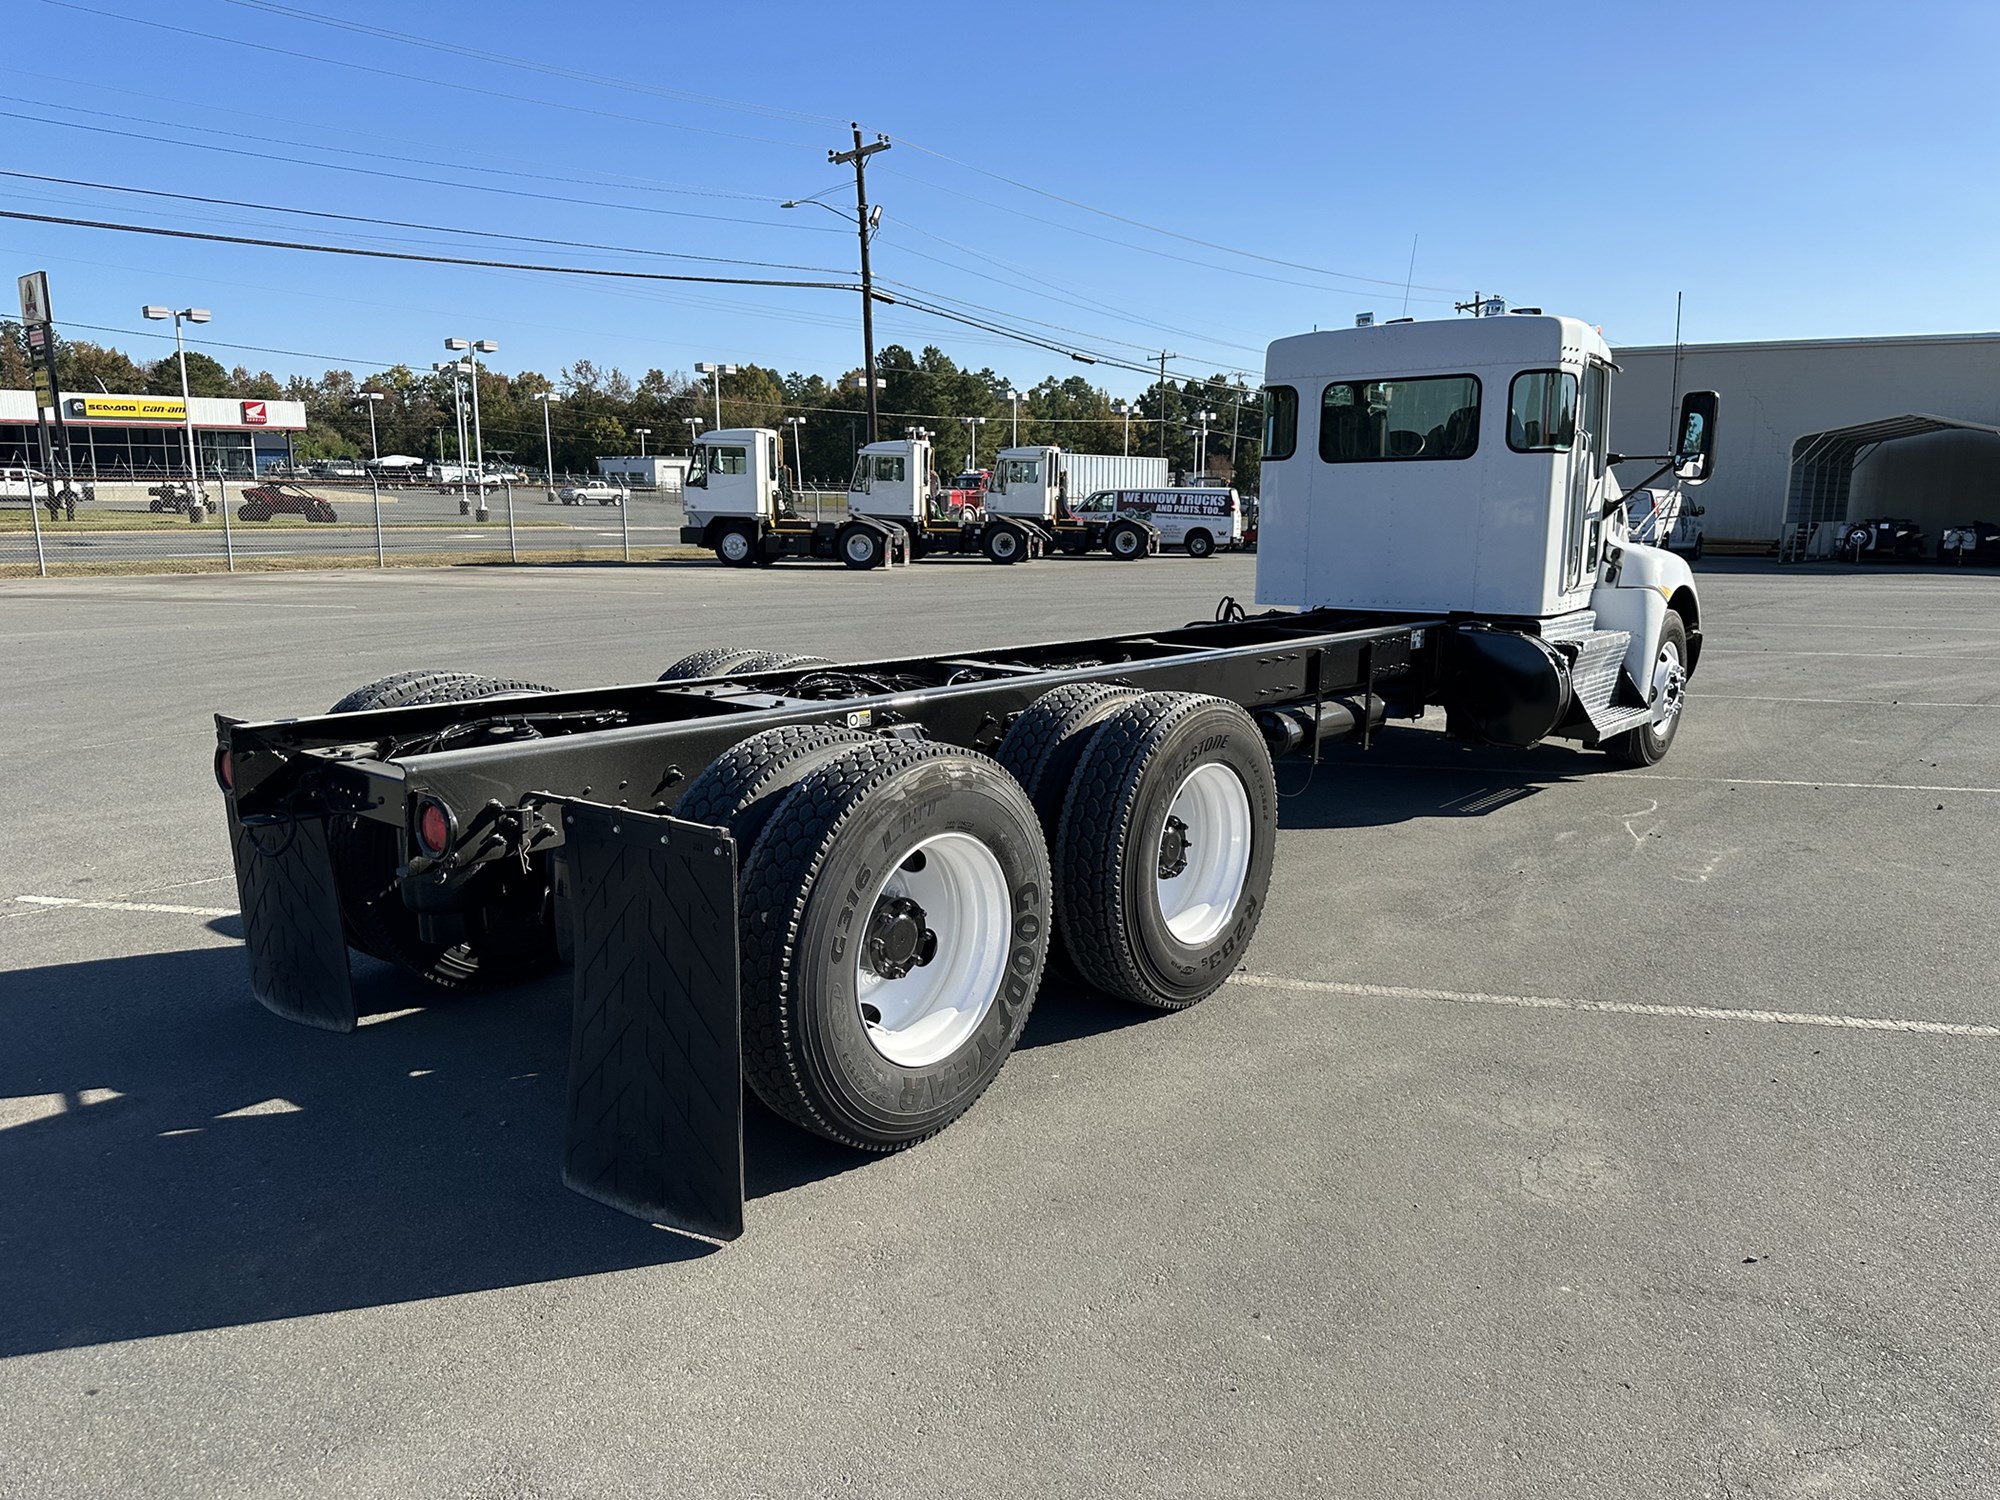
{"x": 225, "y": 770}
{"x": 433, "y": 827}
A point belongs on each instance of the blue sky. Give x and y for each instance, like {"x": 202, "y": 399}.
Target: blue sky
{"x": 1796, "y": 170}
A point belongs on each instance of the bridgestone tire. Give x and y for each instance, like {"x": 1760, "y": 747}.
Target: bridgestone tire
{"x": 743, "y": 786}
{"x": 508, "y": 936}
{"x": 1004, "y": 544}
{"x": 1114, "y": 821}
{"x": 861, "y": 547}
{"x": 1199, "y": 544}
{"x": 808, "y": 891}
{"x": 720, "y": 661}
{"x": 1646, "y": 746}
{"x": 1126, "y": 543}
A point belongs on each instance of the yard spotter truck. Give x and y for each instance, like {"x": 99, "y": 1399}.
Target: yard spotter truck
{"x": 740, "y": 505}
{"x": 844, "y": 884}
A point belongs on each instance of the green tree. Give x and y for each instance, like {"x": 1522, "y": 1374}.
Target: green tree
{"x": 205, "y": 376}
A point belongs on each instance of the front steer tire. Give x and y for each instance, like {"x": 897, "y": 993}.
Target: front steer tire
{"x": 1649, "y": 743}
{"x": 813, "y": 895}
{"x": 1200, "y": 762}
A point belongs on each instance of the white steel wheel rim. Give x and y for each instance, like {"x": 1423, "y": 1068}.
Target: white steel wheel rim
{"x": 933, "y": 1010}
{"x": 735, "y": 546}
{"x": 860, "y": 546}
{"x": 1003, "y": 544}
{"x": 1125, "y": 542}
{"x": 1669, "y": 687}
{"x": 1214, "y": 807}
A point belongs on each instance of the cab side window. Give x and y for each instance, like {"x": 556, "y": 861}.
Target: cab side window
{"x": 1281, "y": 422}
{"x": 1541, "y": 412}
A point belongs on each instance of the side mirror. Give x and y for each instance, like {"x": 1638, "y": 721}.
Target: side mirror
{"x": 1694, "y": 439}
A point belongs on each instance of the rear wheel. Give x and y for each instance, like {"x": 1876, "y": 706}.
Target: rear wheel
{"x": 1166, "y": 845}
{"x": 1199, "y": 544}
{"x": 508, "y": 923}
{"x": 743, "y": 786}
{"x": 721, "y": 661}
{"x": 736, "y": 547}
{"x": 1648, "y": 744}
{"x": 1125, "y": 542}
{"x": 895, "y": 921}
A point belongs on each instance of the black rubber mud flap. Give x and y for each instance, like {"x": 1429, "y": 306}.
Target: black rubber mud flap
{"x": 656, "y": 1048}
{"x": 291, "y": 920}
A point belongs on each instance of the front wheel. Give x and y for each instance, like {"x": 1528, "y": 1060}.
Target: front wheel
{"x": 1199, "y": 544}
{"x": 1003, "y": 544}
{"x": 1126, "y": 543}
{"x": 736, "y": 548}
{"x": 861, "y": 547}
{"x": 1648, "y": 744}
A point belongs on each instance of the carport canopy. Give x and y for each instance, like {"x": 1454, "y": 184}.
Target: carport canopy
{"x": 1823, "y": 463}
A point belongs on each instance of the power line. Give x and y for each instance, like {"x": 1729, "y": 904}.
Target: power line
{"x": 318, "y": 213}
{"x": 469, "y": 187}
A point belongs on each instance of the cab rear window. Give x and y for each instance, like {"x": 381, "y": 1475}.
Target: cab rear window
{"x": 1428, "y": 417}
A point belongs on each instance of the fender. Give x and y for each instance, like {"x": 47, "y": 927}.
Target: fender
{"x": 1633, "y": 593}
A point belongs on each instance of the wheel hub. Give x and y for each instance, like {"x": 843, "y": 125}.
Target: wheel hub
{"x": 899, "y": 938}
{"x": 1174, "y": 846}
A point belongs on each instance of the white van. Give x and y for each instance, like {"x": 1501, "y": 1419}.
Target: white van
{"x": 1199, "y": 520}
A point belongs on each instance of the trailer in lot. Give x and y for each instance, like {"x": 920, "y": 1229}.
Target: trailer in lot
{"x": 843, "y": 884}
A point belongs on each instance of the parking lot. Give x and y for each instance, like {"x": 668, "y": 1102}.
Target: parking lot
{"x": 1568, "y": 1131}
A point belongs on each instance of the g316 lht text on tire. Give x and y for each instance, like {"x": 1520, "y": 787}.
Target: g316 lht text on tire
{"x": 1667, "y": 693}
{"x": 895, "y": 923}
{"x": 1166, "y": 845}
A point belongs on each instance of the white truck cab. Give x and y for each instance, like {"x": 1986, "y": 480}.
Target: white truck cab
{"x": 1459, "y": 467}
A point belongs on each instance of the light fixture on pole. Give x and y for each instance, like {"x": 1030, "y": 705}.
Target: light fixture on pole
{"x": 184, "y": 315}
{"x": 1014, "y": 400}
{"x": 642, "y": 433}
{"x": 972, "y": 426}
{"x": 694, "y": 425}
{"x": 548, "y": 399}
{"x": 1124, "y": 409}
{"x": 371, "y": 400}
{"x": 475, "y": 348}
{"x": 1202, "y": 419}
{"x": 715, "y": 372}
{"x": 456, "y": 369}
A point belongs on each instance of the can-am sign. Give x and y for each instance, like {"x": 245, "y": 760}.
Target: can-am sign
{"x": 128, "y": 408}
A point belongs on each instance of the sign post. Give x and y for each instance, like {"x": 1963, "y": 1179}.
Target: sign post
{"x": 39, "y": 323}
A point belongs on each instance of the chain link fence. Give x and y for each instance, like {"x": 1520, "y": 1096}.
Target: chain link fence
{"x": 165, "y": 523}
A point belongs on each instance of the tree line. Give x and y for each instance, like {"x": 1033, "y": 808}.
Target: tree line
{"x": 601, "y": 409}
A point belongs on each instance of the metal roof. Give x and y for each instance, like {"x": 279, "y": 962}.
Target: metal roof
{"x": 1823, "y": 462}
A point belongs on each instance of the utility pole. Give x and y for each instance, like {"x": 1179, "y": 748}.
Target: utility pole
{"x": 858, "y": 159}
{"x": 1164, "y": 357}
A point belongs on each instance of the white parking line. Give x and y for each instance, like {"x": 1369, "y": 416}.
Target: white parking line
{"x": 1856, "y": 702}
{"x": 1838, "y": 786}
{"x": 156, "y": 906}
{"x": 1617, "y": 1007}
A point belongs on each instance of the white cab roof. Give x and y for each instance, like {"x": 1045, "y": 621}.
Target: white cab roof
{"x": 736, "y": 435}
{"x": 1440, "y": 345}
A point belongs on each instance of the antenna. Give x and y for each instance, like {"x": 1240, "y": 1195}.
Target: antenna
{"x": 1409, "y": 276}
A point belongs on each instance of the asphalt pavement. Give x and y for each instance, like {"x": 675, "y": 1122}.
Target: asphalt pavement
{"x": 1568, "y": 1132}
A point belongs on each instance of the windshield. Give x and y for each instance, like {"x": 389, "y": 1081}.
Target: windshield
{"x": 697, "y": 470}
{"x": 1013, "y": 471}
{"x": 860, "y": 483}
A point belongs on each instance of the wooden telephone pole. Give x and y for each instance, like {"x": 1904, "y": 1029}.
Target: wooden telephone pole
{"x": 858, "y": 159}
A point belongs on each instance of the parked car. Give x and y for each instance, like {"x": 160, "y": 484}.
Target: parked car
{"x": 1974, "y": 542}
{"x": 1883, "y": 538}
{"x": 602, "y": 491}
{"x": 268, "y": 500}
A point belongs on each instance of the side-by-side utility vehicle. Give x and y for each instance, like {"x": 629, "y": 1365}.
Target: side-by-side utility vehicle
{"x": 844, "y": 883}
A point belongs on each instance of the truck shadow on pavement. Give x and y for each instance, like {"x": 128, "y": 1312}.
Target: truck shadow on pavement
{"x": 173, "y": 1158}
{"x": 1412, "y": 774}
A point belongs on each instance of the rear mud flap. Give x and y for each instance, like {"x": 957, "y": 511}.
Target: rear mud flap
{"x": 291, "y": 920}
{"x": 655, "y": 1119}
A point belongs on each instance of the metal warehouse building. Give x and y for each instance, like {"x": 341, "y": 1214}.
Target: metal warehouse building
{"x": 113, "y": 437}
{"x": 1821, "y": 430}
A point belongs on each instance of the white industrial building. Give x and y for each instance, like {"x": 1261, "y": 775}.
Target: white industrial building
{"x": 1823, "y": 430}
{"x": 661, "y": 470}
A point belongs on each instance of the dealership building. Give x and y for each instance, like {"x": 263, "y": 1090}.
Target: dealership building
{"x": 1817, "y": 431}
{"x": 114, "y": 437}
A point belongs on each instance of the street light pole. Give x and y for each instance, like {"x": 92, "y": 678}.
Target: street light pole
{"x": 797, "y": 424}
{"x": 642, "y": 433}
{"x": 972, "y": 426}
{"x": 1014, "y": 400}
{"x": 370, "y": 400}
{"x": 474, "y": 348}
{"x": 1124, "y": 409}
{"x": 456, "y": 369}
{"x": 1165, "y": 355}
{"x": 694, "y": 425}
{"x": 1202, "y": 419}
{"x": 548, "y": 399}
{"x": 715, "y": 372}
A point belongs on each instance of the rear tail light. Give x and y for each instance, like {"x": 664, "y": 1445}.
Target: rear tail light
{"x": 225, "y": 770}
{"x": 435, "y": 826}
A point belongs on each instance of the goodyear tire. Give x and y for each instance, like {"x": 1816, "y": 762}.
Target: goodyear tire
{"x": 1004, "y": 544}
{"x": 895, "y": 923}
{"x": 509, "y": 931}
{"x": 736, "y": 547}
{"x": 742, "y": 787}
{"x": 1166, "y": 846}
{"x": 1667, "y": 692}
{"x": 860, "y": 547}
{"x": 1199, "y": 544}
{"x": 1125, "y": 542}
